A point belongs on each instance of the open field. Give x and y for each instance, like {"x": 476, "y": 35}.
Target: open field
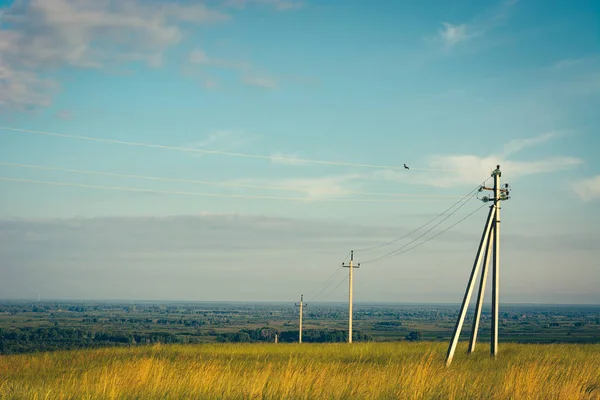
{"x": 29, "y": 326}
{"x": 291, "y": 371}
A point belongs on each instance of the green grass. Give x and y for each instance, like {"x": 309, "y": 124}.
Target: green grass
{"x": 308, "y": 371}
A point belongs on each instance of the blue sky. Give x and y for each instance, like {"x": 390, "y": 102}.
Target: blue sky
{"x": 450, "y": 88}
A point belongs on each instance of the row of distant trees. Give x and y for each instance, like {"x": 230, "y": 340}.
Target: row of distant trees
{"x": 308, "y": 335}
{"x": 27, "y": 340}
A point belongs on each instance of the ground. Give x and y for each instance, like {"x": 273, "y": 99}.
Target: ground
{"x": 401, "y": 370}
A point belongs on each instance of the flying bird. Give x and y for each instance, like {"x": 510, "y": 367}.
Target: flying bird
{"x": 406, "y": 166}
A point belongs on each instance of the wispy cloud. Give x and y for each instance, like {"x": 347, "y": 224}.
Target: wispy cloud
{"x": 279, "y": 5}
{"x": 588, "y": 189}
{"x": 568, "y": 63}
{"x": 199, "y": 58}
{"x": 518, "y": 145}
{"x": 469, "y": 169}
{"x": 64, "y": 114}
{"x": 453, "y": 33}
{"x": 315, "y": 188}
{"x": 225, "y": 140}
{"x": 41, "y": 36}
{"x": 264, "y": 82}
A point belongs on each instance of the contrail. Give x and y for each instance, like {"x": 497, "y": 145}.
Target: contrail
{"x": 216, "y": 152}
{"x": 238, "y": 196}
{"x": 216, "y": 183}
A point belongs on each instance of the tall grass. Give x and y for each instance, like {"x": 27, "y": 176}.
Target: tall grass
{"x": 307, "y": 371}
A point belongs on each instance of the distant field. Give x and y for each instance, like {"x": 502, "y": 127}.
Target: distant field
{"x": 308, "y": 371}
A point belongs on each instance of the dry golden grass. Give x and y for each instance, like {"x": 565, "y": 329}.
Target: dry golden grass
{"x": 307, "y": 371}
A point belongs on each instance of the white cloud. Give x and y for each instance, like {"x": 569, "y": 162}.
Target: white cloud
{"x": 264, "y": 82}
{"x": 23, "y": 89}
{"x": 201, "y": 59}
{"x": 569, "y": 63}
{"x": 451, "y": 34}
{"x": 517, "y": 145}
{"x": 41, "y": 36}
{"x": 470, "y": 169}
{"x": 279, "y": 5}
{"x": 315, "y": 188}
{"x": 588, "y": 189}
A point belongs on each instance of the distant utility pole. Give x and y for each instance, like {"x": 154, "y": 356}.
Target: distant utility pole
{"x": 350, "y": 267}
{"x": 301, "y": 305}
{"x": 490, "y": 243}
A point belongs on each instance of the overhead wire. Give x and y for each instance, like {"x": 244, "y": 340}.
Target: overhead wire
{"x": 326, "y": 283}
{"x": 332, "y": 290}
{"x": 217, "y": 152}
{"x": 172, "y": 192}
{"x": 424, "y": 225}
{"x": 443, "y": 231}
{"x": 392, "y": 253}
{"x": 399, "y": 251}
{"x": 202, "y": 182}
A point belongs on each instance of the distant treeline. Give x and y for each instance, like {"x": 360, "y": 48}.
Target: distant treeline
{"x": 26, "y": 340}
{"x": 308, "y": 335}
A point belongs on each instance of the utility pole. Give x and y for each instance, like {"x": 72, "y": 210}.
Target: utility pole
{"x": 301, "y": 305}
{"x": 350, "y": 267}
{"x": 490, "y": 242}
{"x": 496, "y": 274}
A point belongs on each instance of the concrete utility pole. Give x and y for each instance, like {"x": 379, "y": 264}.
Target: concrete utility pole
{"x": 351, "y": 267}
{"x": 490, "y": 241}
{"x": 496, "y": 274}
{"x": 301, "y": 305}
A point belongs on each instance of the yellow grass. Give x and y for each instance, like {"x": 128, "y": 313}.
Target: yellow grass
{"x": 308, "y": 371}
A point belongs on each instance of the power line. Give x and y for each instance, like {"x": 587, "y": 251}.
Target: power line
{"x": 329, "y": 280}
{"x": 201, "y": 182}
{"x": 334, "y": 289}
{"x": 445, "y": 230}
{"x": 424, "y": 225}
{"x": 121, "y": 188}
{"x": 216, "y": 152}
{"x": 394, "y": 252}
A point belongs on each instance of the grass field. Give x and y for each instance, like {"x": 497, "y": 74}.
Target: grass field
{"x": 307, "y": 371}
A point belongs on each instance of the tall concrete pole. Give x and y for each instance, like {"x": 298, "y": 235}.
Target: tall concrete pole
{"x": 496, "y": 272}
{"x": 465, "y": 304}
{"x": 301, "y": 306}
{"x": 351, "y": 266}
{"x": 350, "y": 299}
{"x": 482, "y": 283}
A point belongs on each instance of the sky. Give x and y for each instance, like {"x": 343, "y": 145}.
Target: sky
{"x": 262, "y": 140}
